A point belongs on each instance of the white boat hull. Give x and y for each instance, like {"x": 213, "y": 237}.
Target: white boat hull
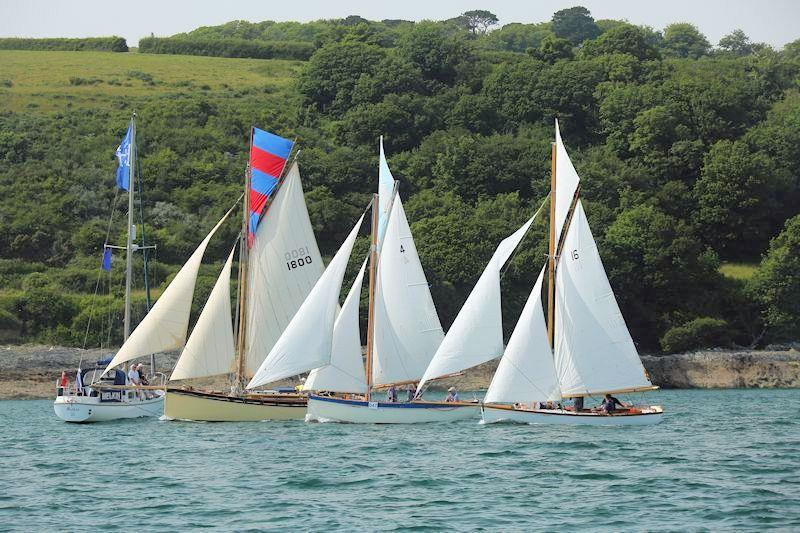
{"x": 330, "y": 409}
{"x": 91, "y": 409}
{"x": 501, "y": 413}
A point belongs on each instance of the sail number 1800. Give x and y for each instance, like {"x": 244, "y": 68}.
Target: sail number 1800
{"x": 297, "y": 258}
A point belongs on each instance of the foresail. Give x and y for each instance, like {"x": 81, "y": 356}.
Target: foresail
{"x": 566, "y": 183}
{"x": 594, "y": 351}
{"x": 209, "y": 350}
{"x": 526, "y": 372}
{"x": 345, "y": 373}
{"x": 407, "y": 329}
{"x": 476, "y": 335}
{"x": 164, "y": 327}
{"x": 284, "y": 265}
{"x": 306, "y": 342}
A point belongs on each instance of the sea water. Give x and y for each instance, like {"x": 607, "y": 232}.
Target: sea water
{"x": 719, "y": 460}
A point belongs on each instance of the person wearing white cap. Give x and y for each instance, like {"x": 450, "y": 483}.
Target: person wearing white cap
{"x": 452, "y": 395}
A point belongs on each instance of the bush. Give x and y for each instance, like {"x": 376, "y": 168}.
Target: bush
{"x": 226, "y": 48}
{"x": 97, "y": 44}
{"x": 704, "y": 332}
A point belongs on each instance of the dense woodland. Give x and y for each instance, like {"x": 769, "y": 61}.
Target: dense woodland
{"x": 689, "y": 156}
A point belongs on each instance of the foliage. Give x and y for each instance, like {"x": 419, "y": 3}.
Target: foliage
{"x": 704, "y": 332}
{"x": 107, "y": 44}
{"x": 685, "y": 40}
{"x": 226, "y": 47}
{"x": 574, "y": 24}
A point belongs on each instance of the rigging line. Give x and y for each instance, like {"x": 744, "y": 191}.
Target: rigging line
{"x": 144, "y": 243}
{"x": 510, "y": 259}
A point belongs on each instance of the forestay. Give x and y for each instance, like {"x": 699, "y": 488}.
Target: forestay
{"x": 306, "y": 342}
{"x": 526, "y": 372}
{"x": 476, "y": 335}
{"x": 566, "y": 183}
{"x": 407, "y": 329}
{"x": 345, "y": 373}
{"x": 594, "y": 352}
{"x": 209, "y": 350}
{"x": 164, "y": 327}
{"x": 284, "y": 265}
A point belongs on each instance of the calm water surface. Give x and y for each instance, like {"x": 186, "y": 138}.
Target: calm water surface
{"x": 719, "y": 460}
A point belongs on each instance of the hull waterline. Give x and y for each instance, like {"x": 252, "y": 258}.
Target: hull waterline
{"x": 215, "y": 407}
{"x": 90, "y": 409}
{"x": 503, "y": 413}
{"x": 330, "y": 409}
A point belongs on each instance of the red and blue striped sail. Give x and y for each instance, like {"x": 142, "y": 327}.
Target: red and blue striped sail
{"x": 268, "y": 156}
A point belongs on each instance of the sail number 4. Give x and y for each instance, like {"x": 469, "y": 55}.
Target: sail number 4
{"x": 297, "y": 258}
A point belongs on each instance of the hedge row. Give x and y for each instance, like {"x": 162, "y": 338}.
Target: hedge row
{"x": 106, "y": 44}
{"x": 226, "y": 48}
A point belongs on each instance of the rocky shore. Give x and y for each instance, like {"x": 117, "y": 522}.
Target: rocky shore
{"x": 30, "y": 371}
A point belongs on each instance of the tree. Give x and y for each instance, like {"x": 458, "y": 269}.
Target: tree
{"x": 626, "y": 39}
{"x": 479, "y": 20}
{"x": 736, "y": 43}
{"x": 574, "y": 24}
{"x": 516, "y": 37}
{"x": 552, "y": 49}
{"x": 685, "y": 40}
{"x": 437, "y": 52}
{"x": 776, "y": 283}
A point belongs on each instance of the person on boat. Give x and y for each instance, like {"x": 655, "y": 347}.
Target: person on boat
{"x": 133, "y": 375}
{"x": 411, "y": 391}
{"x": 452, "y": 395}
{"x": 62, "y": 384}
{"x": 391, "y": 394}
{"x": 142, "y": 378}
{"x": 609, "y": 405}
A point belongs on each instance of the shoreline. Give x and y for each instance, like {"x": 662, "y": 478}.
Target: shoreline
{"x": 30, "y": 371}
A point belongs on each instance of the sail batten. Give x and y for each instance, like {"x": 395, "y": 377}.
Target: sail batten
{"x": 209, "y": 350}
{"x": 164, "y": 327}
{"x": 476, "y": 335}
{"x": 284, "y": 264}
{"x": 306, "y": 342}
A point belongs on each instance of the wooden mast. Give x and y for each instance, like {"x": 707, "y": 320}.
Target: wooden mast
{"x": 551, "y": 262}
{"x": 373, "y": 259}
{"x": 243, "y": 259}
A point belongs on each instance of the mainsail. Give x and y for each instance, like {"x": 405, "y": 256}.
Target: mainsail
{"x": 566, "y": 184}
{"x": 209, "y": 350}
{"x": 345, "y": 373}
{"x": 164, "y": 327}
{"x": 284, "y": 265}
{"x": 385, "y": 189}
{"x": 526, "y": 372}
{"x": 407, "y": 329}
{"x": 476, "y": 335}
{"x": 306, "y": 342}
{"x": 594, "y": 352}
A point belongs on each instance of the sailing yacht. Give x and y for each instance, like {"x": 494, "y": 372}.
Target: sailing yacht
{"x": 111, "y": 397}
{"x": 403, "y": 331}
{"x": 584, "y": 349}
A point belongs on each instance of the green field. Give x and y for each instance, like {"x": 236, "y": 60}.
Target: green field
{"x": 743, "y": 271}
{"x": 53, "y": 81}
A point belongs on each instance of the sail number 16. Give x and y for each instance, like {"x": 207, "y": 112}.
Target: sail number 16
{"x": 297, "y": 258}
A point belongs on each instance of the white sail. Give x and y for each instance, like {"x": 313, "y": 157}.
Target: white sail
{"x": 164, "y": 327}
{"x": 526, "y": 372}
{"x": 385, "y": 189}
{"x": 594, "y": 352}
{"x": 566, "y": 183}
{"x": 306, "y": 342}
{"x": 345, "y": 373}
{"x": 407, "y": 329}
{"x": 476, "y": 335}
{"x": 209, "y": 350}
{"x": 284, "y": 265}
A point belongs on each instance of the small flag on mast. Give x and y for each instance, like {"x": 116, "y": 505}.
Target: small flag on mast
{"x": 124, "y": 157}
{"x": 107, "y": 260}
{"x": 268, "y": 156}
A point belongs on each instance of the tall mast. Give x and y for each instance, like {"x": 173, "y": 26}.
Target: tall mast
{"x": 373, "y": 259}
{"x": 129, "y": 245}
{"x": 243, "y": 259}
{"x": 551, "y": 262}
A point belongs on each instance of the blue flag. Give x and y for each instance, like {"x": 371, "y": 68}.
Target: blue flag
{"x": 124, "y": 156}
{"x": 107, "y": 260}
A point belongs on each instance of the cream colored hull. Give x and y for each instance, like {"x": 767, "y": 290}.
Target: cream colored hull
{"x": 181, "y": 405}
{"x": 500, "y": 413}
{"x": 331, "y": 409}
